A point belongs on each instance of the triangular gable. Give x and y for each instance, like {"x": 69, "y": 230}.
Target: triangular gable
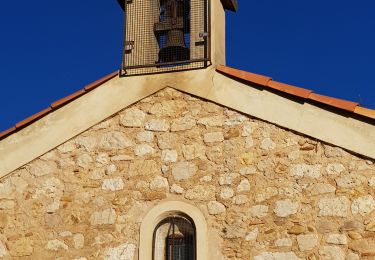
{"x": 71, "y": 119}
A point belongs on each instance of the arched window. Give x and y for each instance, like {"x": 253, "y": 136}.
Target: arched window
{"x": 174, "y": 238}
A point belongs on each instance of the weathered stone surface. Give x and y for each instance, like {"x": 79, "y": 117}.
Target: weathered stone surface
{"x": 350, "y": 181}
{"x": 3, "y": 250}
{"x": 335, "y": 168}
{"x": 258, "y": 211}
{"x": 325, "y": 226}
{"x": 240, "y": 199}
{"x": 369, "y": 227}
{"x": 226, "y": 193}
{"x": 363, "y": 205}
{"x": 145, "y": 136}
{"x": 304, "y": 170}
{"x": 266, "y": 194}
{"x": 169, "y": 156}
{"x": 114, "y": 140}
{"x": 104, "y": 217}
{"x": 194, "y": 151}
{"x": 297, "y": 230}
{"x": 133, "y": 117}
{"x": 247, "y": 158}
{"x": 157, "y": 125}
{"x": 247, "y": 130}
{"x": 244, "y": 186}
{"x": 215, "y": 208}
{"x": 321, "y": 188}
{"x": 22, "y": 247}
{"x": 213, "y": 137}
{"x": 200, "y": 192}
{"x": 354, "y": 235}
{"x": 89, "y": 143}
{"x": 334, "y": 207}
{"x": 331, "y": 253}
{"x": 84, "y": 161}
{"x": 371, "y": 182}
{"x": 113, "y": 184}
{"x": 6, "y": 204}
{"x": 333, "y": 152}
{"x": 228, "y": 178}
{"x": 143, "y": 149}
{"x": 177, "y": 189}
{"x": 307, "y": 242}
{"x": 337, "y": 239}
{"x": 352, "y": 256}
{"x": 167, "y": 141}
{"x": 277, "y": 256}
{"x": 285, "y": 208}
{"x": 183, "y": 123}
{"x": 102, "y": 159}
{"x": 267, "y": 144}
{"x": 183, "y": 171}
{"x": 78, "y": 241}
{"x": 252, "y": 236}
{"x": 363, "y": 246}
{"x": 353, "y": 225}
{"x": 122, "y": 252}
{"x": 56, "y": 245}
{"x": 41, "y": 167}
{"x": 122, "y": 157}
{"x": 248, "y": 170}
{"x": 284, "y": 242}
{"x": 159, "y": 184}
{"x": 211, "y": 121}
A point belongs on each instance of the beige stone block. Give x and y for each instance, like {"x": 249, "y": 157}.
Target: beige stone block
{"x": 307, "y": 242}
{"x": 215, "y": 208}
{"x": 285, "y": 208}
{"x": 133, "y": 117}
{"x": 183, "y": 124}
{"x": 334, "y": 207}
{"x": 331, "y": 253}
{"x": 213, "y": 137}
{"x": 22, "y": 247}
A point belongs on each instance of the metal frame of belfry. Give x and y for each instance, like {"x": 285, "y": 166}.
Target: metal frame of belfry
{"x": 165, "y": 36}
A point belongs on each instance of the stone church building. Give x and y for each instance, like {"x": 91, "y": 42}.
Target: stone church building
{"x": 179, "y": 157}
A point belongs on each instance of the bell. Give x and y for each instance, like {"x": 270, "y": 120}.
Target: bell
{"x": 171, "y": 28}
{"x": 174, "y": 48}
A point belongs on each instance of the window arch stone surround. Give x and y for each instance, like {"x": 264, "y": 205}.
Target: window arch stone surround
{"x": 164, "y": 210}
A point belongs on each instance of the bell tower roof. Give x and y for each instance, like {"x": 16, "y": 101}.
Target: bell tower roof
{"x": 230, "y": 5}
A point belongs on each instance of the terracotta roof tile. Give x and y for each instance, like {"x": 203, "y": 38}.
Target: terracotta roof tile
{"x": 57, "y": 104}
{"x": 247, "y": 76}
{"x": 97, "y": 83}
{"x": 34, "y": 117}
{"x": 365, "y": 112}
{"x": 295, "y": 91}
{"x": 67, "y": 99}
{"x": 7, "y": 132}
{"x": 334, "y": 102}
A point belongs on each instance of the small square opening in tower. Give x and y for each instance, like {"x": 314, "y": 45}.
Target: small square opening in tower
{"x": 165, "y": 36}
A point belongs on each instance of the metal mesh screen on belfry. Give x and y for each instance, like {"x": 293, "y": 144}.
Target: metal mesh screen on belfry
{"x": 165, "y": 35}
{"x": 174, "y": 239}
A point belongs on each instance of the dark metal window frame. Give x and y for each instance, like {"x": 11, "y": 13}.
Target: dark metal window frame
{"x": 190, "y": 64}
{"x": 170, "y": 219}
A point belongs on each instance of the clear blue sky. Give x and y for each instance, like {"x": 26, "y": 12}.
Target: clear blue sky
{"x": 50, "y": 49}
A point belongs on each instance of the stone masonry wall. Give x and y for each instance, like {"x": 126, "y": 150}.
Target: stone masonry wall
{"x": 269, "y": 193}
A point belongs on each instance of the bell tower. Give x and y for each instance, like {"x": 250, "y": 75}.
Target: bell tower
{"x": 173, "y": 35}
